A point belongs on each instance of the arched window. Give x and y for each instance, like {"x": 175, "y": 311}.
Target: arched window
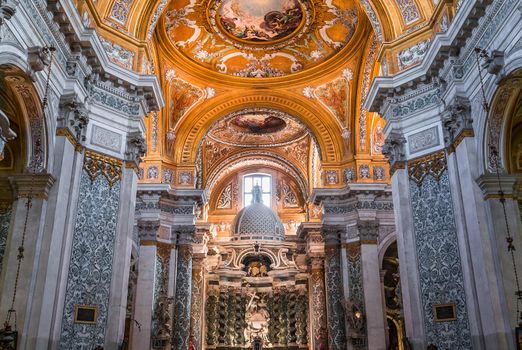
{"x": 262, "y": 180}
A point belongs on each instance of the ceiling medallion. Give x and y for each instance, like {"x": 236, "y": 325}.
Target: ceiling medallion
{"x": 260, "y": 24}
{"x": 260, "y": 127}
{"x": 260, "y": 38}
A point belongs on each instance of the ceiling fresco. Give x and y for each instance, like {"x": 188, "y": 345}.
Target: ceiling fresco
{"x": 260, "y": 38}
{"x": 257, "y": 127}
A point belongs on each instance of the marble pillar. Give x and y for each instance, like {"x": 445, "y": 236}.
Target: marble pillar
{"x": 317, "y": 297}
{"x": 182, "y": 301}
{"x": 197, "y": 302}
{"x": 32, "y": 218}
{"x": 372, "y": 287}
{"x": 143, "y": 307}
{"x": 334, "y": 290}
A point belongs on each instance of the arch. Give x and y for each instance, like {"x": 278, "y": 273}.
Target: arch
{"x": 385, "y": 244}
{"x": 265, "y": 158}
{"x": 23, "y": 89}
{"x": 320, "y": 122}
{"x": 496, "y": 125}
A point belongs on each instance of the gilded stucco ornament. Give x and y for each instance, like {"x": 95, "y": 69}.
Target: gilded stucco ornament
{"x": 260, "y": 39}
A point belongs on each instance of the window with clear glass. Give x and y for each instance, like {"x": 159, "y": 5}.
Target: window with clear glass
{"x": 262, "y": 180}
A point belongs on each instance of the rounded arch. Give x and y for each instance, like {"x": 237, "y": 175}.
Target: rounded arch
{"x": 495, "y": 126}
{"x": 16, "y": 82}
{"x": 255, "y": 157}
{"x": 320, "y": 122}
{"x": 384, "y": 244}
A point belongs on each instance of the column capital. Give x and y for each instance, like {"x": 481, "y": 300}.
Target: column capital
{"x": 489, "y": 184}
{"x": 332, "y": 234}
{"x": 136, "y": 148}
{"x": 368, "y": 231}
{"x": 36, "y": 185}
{"x": 394, "y": 149}
{"x": 457, "y": 122}
{"x": 72, "y": 120}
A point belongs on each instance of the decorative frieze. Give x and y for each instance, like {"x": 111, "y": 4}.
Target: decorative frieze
{"x": 413, "y": 55}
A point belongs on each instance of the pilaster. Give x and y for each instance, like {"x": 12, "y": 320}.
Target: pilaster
{"x": 311, "y": 233}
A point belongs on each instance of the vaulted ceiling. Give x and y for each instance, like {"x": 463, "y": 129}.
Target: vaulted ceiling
{"x": 254, "y": 79}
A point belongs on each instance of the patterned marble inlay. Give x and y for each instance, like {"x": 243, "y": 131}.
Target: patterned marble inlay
{"x": 90, "y": 269}
{"x": 5, "y": 219}
{"x": 335, "y": 298}
{"x": 438, "y": 260}
{"x": 183, "y": 299}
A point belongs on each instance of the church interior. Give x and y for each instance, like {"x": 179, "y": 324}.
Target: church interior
{"x": 261, "y": 174}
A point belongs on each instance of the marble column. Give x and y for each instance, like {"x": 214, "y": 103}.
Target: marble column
{"x": 318, "y": 332}
{"x": 197, "y": 302}
{"x": 182, "y": 301}
{"x": 33, "y": 219}
{"x": 317, "y": 296}
{"x": 334, "y": 289}
{"x": 487, "y": 306}
{"x": 413, "y": 313}
{"x": 144, "y": 303}
{"x": 372, "y": 287}
{"x": 54, "y": 235}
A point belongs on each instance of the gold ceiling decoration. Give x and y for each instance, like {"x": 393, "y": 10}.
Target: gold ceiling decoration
{"x": 258, "y": 127}
{"x": 260, "y": 38}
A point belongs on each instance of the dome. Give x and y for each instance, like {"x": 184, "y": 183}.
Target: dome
{"x": 257, "y": 222}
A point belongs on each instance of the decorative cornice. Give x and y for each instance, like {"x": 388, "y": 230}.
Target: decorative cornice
{"x": 34, "y": 185}
{"x": 433, "y": 164}
{"x": 489, "y": 184}
{"x": 442, "y": 47}
{"x": 72, "y": 39}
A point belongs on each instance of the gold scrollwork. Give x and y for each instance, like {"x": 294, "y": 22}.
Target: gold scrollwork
{"x": 96, "y": 164}
{"x": 433, "y": 164}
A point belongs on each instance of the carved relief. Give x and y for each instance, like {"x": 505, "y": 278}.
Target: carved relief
{"x": 413, "y": 55}
{"x": 225, "y": 198}
{"x": 423, "y": 140}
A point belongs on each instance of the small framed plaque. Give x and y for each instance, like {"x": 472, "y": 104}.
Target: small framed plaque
{"x": 444, "y": 312}
{"x": 85, "y": 314}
